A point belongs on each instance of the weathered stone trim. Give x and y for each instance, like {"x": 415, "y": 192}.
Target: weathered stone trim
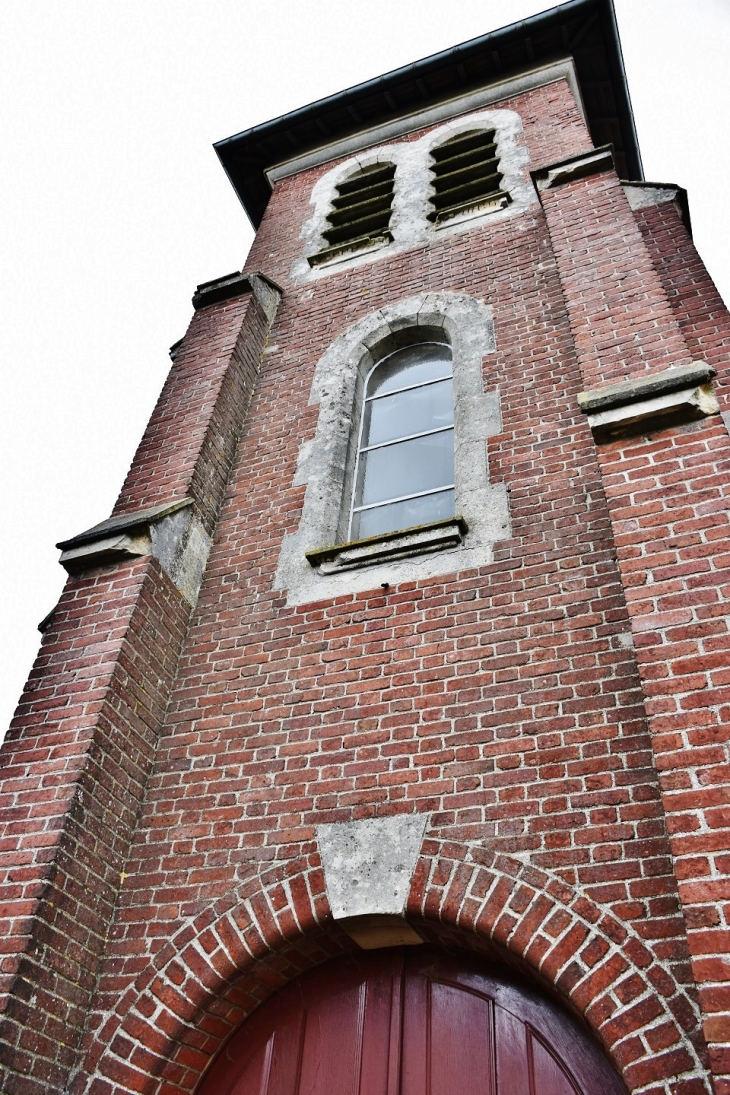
{"x": 342, "y": 251}
{"x": 173, "y": 533}
{"x": 673, "y": 409}
{"x": 388, "y": 546}
{"x": 235, "y": 285}
{"x": 642, "y": 195}
{"x": 645, "y": 387}
{"x": 125, "y": 522}
{"x": 676, "y": 395}
{"x": 494, "y": 203}
{"x": 368, "y": 868}
{"x": 575, "y": 167}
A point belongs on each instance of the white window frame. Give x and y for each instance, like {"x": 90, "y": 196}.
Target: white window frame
{"x": 408, "y": 437}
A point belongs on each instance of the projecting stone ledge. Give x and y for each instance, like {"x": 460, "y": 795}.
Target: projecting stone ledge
{"x": 267, "y": 292}
{"x": 171, "y": 532}
{"x": 652, "y": 401}
{"x": 575, "y": 167}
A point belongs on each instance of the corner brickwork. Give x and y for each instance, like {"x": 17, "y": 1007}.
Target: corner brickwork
{"x": 189, "y": 444}
{"x": 75, "y": 763}
{"x": 668, "y": 494}
{"x": 78, "y": 753}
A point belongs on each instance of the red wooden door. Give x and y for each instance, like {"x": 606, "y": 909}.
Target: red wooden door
{"x": 410, "y": 1022}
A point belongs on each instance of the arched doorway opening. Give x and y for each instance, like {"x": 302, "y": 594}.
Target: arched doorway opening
{"x": 410, "y": 1021}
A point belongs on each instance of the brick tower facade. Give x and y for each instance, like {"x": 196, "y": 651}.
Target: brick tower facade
{"x": 276, "y": 719}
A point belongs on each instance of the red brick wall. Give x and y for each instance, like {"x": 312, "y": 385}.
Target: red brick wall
{"x": 669, "y": 498}
{"x": 190, "y": 441}
{"x": 507, "y": 702}
{"x": 702, "y": 781}
{"x": 698, "y": 307}
{"x": 77, "y": 756}
{"x": 75, "y": 764}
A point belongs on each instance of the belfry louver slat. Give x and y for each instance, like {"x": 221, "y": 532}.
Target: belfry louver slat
{"x": 465, "y": 175}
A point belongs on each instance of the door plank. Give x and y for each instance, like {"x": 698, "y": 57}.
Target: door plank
{"x": 411, "y": 1021}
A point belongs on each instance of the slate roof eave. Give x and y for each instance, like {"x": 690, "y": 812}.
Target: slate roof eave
{"x": 584, "y": 29}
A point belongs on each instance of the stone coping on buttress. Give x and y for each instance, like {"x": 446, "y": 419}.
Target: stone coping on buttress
{"x": 644, "y": 387}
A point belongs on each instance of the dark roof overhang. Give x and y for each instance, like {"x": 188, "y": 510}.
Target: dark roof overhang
{"x": 586, "y": 30}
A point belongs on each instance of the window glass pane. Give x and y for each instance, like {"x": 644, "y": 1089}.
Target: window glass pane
{"x": 408, "y": 412}
{"x": 399, "y": 515}
{"x": 411, "y": 365}
{"x": 406, "y": 467}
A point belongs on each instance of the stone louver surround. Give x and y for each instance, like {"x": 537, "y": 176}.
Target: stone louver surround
{"x": 668, "y": 493}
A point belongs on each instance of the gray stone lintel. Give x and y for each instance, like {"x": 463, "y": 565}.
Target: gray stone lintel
{"x": 645, "y": 386}
{"x": 368, "y": 866}
{"x": 389, "y": 546}
{"x": 234, "y": 285}
{"x": 346, "y": 250}
{"x": 107, "y": 549}
{"x": 492, "y": 204}
{"x": 172, "y": 533}
{"x": 575, "y": 167}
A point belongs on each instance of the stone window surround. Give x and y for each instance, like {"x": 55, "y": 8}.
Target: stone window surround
{"x": 326, "y": 462}
{"x": 409, "y": 226}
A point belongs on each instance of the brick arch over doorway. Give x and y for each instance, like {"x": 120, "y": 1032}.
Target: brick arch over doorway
{"x": 222, "y": 964}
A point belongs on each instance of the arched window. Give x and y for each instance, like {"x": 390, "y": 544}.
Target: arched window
{"x": 433, "y": 527}
{"x": 404, "y": 474}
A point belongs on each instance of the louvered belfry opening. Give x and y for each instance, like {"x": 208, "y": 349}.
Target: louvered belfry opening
{"x": 465, "y": 175}
{"x": 360, "y": 213}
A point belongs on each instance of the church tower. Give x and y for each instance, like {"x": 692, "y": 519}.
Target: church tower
{"x": 379, "y": 739}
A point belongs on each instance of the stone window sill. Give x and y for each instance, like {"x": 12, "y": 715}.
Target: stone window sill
{"x": 389, "y": 547}
{"x": 352, "y": 249}
{"x": 471, "y": 210}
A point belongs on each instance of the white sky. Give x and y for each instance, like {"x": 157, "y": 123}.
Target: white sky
{"x": 115, "y": 206}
